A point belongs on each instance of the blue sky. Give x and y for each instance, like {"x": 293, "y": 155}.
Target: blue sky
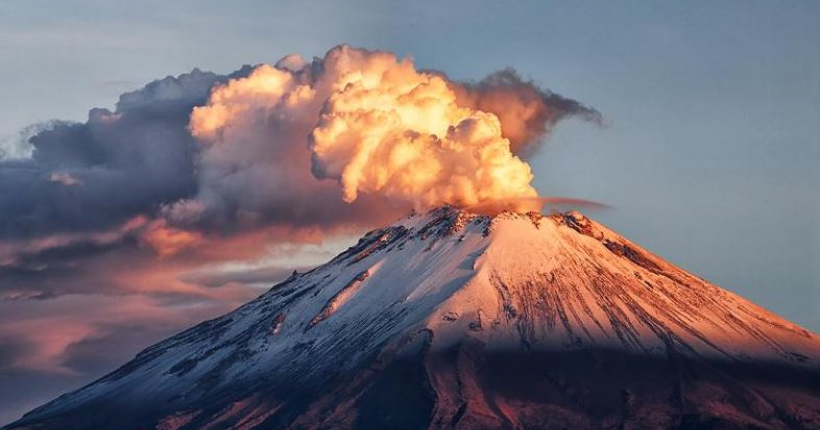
{"x": 709, "y": 154}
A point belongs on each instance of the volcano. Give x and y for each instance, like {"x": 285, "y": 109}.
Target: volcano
{"x": 458, "y": 320}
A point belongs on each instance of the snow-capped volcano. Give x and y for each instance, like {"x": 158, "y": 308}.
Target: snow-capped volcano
{"x": 458, "y": 320}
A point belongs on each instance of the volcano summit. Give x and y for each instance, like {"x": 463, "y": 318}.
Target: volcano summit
{"x": 456, "y": 320}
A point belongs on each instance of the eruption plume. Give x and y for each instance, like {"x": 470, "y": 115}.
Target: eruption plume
{"x": 378, "y": 126}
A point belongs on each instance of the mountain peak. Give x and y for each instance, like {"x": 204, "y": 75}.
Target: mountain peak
{"x": 448, "y": 220}
{"x": 430, "y": 318}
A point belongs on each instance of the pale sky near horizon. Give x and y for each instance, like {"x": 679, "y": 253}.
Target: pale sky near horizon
{"x": 710, "y": 155}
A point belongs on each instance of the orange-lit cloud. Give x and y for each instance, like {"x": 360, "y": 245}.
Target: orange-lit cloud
{"x": 391, "y": 130}
{"x": 65, "y": 179}
{"x": 167, "y": 241}
{"x": 378, "y": 126}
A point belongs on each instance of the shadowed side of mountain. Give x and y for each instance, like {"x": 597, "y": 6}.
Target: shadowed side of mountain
{"x": 467, "y": 387}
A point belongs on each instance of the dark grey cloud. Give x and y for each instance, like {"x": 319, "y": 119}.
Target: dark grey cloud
{"x": 73, "y": 267}
{"x": 123, "y": 163}
{"x": 527, "y": 111}
{"x": 11, "y": 351}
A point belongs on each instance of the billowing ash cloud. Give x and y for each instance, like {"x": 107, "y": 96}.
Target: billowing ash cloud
{"x": 377, "y": 126}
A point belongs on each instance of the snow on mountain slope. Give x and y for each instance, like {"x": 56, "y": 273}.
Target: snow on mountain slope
{"x": 427, "y": 305}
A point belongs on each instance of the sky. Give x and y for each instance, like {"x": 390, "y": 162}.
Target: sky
{"x": 707, "y": 152}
